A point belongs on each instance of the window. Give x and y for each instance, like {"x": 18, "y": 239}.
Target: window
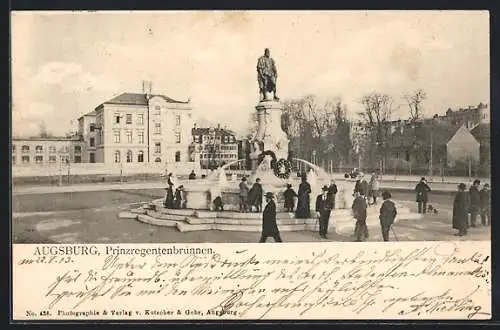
{"x": 52, "y": 159}
{"x": 178, "y": 120}
{"x": 158, "y": 160}
{"x": 129, "y": 156}
{"x": 129, "y": 136}
{"x": 92, "y": 142}
{"x": 78, "y": 149}
{"x": 140, "y": 119}
{"x": 39, "y": 159}
{"x": 140, "y": 157}
{"x": 92, "y": 157}
{"x": 116, "y": 136}
{"x": 128, "y": 118}
{"x": 157, "y": 148}
{"x": 25, "y": 159}
{"x": 78, "y": 159}
{"x": 140, "y": 137}
{"x": 13, "y": 148}
{"x": 157, "y": 128}
{"x": 92, "y": 127}
{"x": 177, "y": 137}
{"x": 117, "y": 156}
{"x": 226, "y": 139}
{"x": 13, "y": 159}
{"x": 117, "y": 118}
{"x": 39, "y": 149}
{"x": 52, "y": 149}
{"x": 197, "y": 139}
{"x": 157, "y": 108}
{"x": 177, "y": 156}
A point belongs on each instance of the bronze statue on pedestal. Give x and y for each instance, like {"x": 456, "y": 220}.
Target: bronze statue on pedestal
{"x": 267, "y": 75}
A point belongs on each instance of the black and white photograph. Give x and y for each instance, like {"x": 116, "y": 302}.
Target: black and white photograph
{"x": 250, "y": 126}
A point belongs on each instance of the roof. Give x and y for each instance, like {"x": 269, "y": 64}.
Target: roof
{"x": 138, "y": 99}
{"x": 206, "y": 130}
{"x": 481, "y": 131}
{"x": 441, "y": 134}
{"x": 51, "y": 138}
{"x": 92, "y": 113}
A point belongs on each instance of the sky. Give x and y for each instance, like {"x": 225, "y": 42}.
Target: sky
{"x": 65, "y": 64}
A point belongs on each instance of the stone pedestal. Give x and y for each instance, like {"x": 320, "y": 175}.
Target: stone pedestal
{"x": 269, "y": 128}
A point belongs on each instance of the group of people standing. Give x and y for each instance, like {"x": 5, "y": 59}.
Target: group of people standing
{"x": 251, "y": 198}
{"x": 474, "y": 202}
{"x": 368, "y": 189}
{"x": 174, "y": 196}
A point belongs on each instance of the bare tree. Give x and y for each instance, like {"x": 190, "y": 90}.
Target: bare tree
{"x": 376, "y": 118}
{"x": 42, "y": 131}
{"x": 415, "y": 104}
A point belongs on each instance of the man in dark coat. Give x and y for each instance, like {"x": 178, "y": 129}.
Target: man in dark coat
{"x": 332, "y": 193}
{"x": 323, "y": 210}
{"x": 289, "y": 195}
{"x": 180, "y": 200}
{"x": 192, "y": 175}
{"x": 474, "y": 202}
{"x": 255, "y": 195}
{"x": 269, "y": 226}
{"x": 359, "y": 206}
{"x": 303, "y": 210}
{"x": 422, "y": 190}
{"x": 169, "y": 197}
{"x": 486, "y": 205}
{"x": 243, "y": 195}
{"x": 460, "y": 210}
{"x": 387, "y": 215}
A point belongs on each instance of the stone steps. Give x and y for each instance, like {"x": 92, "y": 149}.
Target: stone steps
{"x": 341, "y": 220}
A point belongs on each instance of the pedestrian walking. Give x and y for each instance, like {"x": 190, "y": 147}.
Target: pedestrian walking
{"x": 180, "y": 199}
{"x": 474, "y": 202}
{"x": 373, "y": 189}
{"x": 422, "y": 190}
{"x": 323, "y": 211}
{"x": 486, "y": 205}
{"x": 461, "y": 210}
{"x": 332, "y": 193}
{"x": 290, "y": 196}
{"x": 269, "y": 225}
{"x": 303, "y": 204}
{"x": 243, "y": 195}
{"x": 169, "y": 197}
{"x": 359, "y": 212}
{"x": 255, "y": 196}
{"x": 387, "y": 215}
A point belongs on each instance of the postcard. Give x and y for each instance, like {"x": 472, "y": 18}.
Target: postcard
{"x": 158, "y": 156}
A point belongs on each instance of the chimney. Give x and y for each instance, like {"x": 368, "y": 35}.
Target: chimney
{"x": 147, "y": 87}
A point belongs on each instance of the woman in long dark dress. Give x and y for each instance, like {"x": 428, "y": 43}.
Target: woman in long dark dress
{"x": 461, "y": 210}
{"x": 303, "y": 205}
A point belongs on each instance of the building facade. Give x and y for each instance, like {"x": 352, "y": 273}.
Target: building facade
{"x": 217, "y": 146}
{"x": 46, "y": 151}
{"x": 138, "y": 128}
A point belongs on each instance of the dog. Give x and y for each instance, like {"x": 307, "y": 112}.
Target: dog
{"x": 432, "y": 209}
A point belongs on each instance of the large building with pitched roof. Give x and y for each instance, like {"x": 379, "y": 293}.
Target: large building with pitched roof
{"x": 138, "y": 128}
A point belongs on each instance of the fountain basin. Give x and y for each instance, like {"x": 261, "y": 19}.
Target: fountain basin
{"x": 198, "y": 194}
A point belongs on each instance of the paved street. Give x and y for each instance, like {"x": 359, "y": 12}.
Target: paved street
{"x": 86, "y": 217}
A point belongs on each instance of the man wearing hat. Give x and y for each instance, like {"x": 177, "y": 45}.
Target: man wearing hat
{"x": 290, "y": 196}
{"x": 269, "y": 226}
{"x": 485, "y": 205}
{"x": 460, "y": 210}
{"x": 243, "y": 195}
{"x": 359, "y": 206}
{"x": 422, "y": 190}
{"x": 387, "y": 215}
{"x": 474, "y": 202}
{"x": 323, "y": 210}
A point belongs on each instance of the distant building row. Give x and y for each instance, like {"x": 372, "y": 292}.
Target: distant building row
{"x": 132, "y": 128}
